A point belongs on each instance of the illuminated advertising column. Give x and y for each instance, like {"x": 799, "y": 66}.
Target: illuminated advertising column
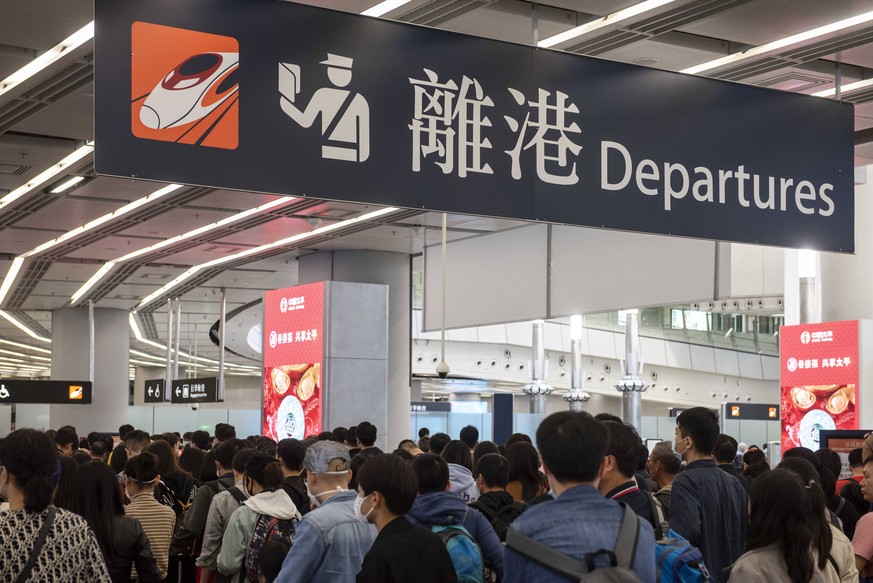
{"x": 293, "y": 348}
{"x": 819, "y": 380}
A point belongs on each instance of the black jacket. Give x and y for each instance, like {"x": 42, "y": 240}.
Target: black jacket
{"x": 130, "y": 545}
{"x": 403, "y": 552}
{"x": 732, "y": 470}
{"x": 195, "y": 519}
{"x": 492, "y": 502}
{"x": 296, "y": 490}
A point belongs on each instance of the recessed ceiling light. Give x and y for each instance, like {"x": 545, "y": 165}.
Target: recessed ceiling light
{"x": 608, "y": 20}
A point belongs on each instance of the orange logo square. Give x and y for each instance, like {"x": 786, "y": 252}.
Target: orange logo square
{"x": 735, "y": 411}
{"x": 76, "y": 393}
{"x": 184, "y": 86}
{"x": 772, "y": 412}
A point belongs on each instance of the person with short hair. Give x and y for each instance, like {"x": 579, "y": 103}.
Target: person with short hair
{"x": 291, "y": 453}
{"x": 579, "y": 521}
{"x": 856, "y": 466}
{"x": 66, "y": 441}
{"x": 725, "y": 453}
{"x": 366, "y": 436}
{"x": 438, "y": 441}
{"x": 158, "y": 521}
{"x": 401, "y": 552}
{"x": 339, "y": 434}
{"x": 98, "y": 451}
{"x": 270, "y": 559}
{"x": 29, "y": 471}
{"x": 330, "y": 542}
{"x": 707, "y": 506}
{"x": 470, "y": 436}
{"x": 663, "y": 465}
{"x": 492, "y": 476}
{"x": 409, "y": 446}
{"x": 352, "y": 441}
{"x": 223, "y": 432}
{"x": 617, "y": 476}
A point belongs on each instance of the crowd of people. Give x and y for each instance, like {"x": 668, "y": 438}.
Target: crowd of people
{"x": 585, "y": 495}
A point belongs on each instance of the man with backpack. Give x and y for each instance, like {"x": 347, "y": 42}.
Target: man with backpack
{"x": 290, "y": 453}
{"x": 580, "y": 524}
{"x": 468, "y": 535}
{"x": 498, "y": 505}
{"x": 330, "y": 542}
{"x": 617, "y": 475}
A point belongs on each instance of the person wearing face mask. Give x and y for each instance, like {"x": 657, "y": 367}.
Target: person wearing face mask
{"x": 707, "y": 506}
{"x": 157, "y": 520}
{"x": 330, "y": 542}
{"x": 263, "y": 482}
{"x": 401, "y": 552}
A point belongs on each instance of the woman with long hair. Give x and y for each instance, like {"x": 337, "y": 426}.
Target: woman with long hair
{"x": 96, "y": 497}
{"x": 178, "y": 481}
{"x": 460, "y": 461}
{"x": 526, "y": 482}
{"x": 782, "y": 534}
{"x": 29, "y": 472}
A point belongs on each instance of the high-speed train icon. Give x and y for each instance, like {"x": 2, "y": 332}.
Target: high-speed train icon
{"x": 191, "y": 91}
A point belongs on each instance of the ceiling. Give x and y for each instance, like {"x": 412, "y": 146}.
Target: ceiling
{"x": 50, "y": 117}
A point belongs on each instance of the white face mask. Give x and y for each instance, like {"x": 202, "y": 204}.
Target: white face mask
{"x": 314, "y": 498}
{"x": 359, "y": 502}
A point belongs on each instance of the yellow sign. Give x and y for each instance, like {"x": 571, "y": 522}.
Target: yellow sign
{"x": 735, "y": 411}
{"x": 772, "y": 411}
{"x": 76, "y": 392}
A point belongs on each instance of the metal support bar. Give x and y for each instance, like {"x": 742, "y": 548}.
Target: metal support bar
{"x": 177, "y": 337}
{"x": 807, "y": 300}
{"x": 221, "y": 329}
{"x": 91, "y": 337}
{"x": 168, "y": 374}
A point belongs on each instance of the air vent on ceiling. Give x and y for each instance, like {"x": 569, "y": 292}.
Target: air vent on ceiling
{"x": 13, "y": 169}
{"x": 794, "y": 81}
{"x": 223, "y": 249}
{"x": 160, "y": 276}
{"x": 436, "y": 12}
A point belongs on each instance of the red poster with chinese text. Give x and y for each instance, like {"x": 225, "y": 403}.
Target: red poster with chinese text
{"x": 819, "y": 380}
{"x": 293, "y": 351}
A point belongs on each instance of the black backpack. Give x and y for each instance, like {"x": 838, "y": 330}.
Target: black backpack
{"x": 501, "y": 519}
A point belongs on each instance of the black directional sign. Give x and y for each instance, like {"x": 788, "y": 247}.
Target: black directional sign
{"x": 203, "y": 390}
{"x": 154, "y": 391}
{"x": 45, "y": 392}
{"x": 756, "y": 411}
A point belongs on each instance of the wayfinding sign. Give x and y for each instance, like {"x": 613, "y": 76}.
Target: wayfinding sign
{"x": 287, "y": 98}
{"x": 203, "y": 390}
{"x": 154, "y": 391}
{"x": 14, "y": 391}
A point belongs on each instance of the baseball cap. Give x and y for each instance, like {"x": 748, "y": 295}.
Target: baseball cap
{"x": 326, "y": 456}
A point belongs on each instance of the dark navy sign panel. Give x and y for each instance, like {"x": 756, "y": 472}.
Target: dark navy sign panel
{"x": 340, "y": 106}
{"x": 154, "y": 391}
{"x": 45, "y": 392}
{"x": 203, "y": 390}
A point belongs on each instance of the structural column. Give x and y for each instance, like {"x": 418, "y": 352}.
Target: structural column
{"x": 71, "y": 361}
{"x": 395, "y": 271}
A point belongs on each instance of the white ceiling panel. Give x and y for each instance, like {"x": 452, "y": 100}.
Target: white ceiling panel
{"x": 175, "y": 222}
{"x": 67, "y": 214}
{"x": 55, "y": 120}
{"x": 267, "y": 233}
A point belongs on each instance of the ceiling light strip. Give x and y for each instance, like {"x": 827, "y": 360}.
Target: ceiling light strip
{"x": 384, "y": 7}
{"x": 608, "y": 20}
{"x": 67, "y": 184}
{"x": 26, "y": 346}
{"x": 845, "y": 88}
{"x": 46, "y": 175}
{"x": 781, "y": 43}
{"x": 260, "y": 249}
{"x": 103, "y": 271}
{"x": 52, "y": 55}
{"x": 10, "y": 278}
{"x": 14, "y": 321}
{"x": 21, "y": 354}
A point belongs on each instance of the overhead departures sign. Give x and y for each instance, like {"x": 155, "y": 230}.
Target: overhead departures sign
{"x": 282, "y": 97}
{"x": 293, "y": 349}
{"x": 819, "y": 379}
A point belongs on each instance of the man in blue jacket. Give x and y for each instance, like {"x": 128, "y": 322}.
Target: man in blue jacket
{"x": 437, "y": 506}
{"x": 330, "y": 543}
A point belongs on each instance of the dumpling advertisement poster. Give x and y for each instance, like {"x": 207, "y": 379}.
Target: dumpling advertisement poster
{"x": 819, "y": 380}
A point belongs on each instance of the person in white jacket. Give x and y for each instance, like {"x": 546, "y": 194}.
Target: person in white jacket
{"x": 263, "y": 482}
{"x": 457, "y": 455}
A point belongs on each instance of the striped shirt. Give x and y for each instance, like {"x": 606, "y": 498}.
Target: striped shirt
{"x": 158, "y": 522}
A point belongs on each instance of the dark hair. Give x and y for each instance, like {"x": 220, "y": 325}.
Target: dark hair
{"x": 224, "y": 431}
{"x": 339, "y": 434}
{"x": 291, "y": 451}
{"x": 124, "y": 430}
{"x": 701, "y": 425}
{"x": 118, "y": 458}
{"x": 200, "y": 438}
{"x": 83, "y": 443}
{"x": 517, "y": 437}
{"x": 98, "y": 448}
{"x": 438, "y": 441}
{"x": 494, "y": 469}
{"x": 423, "y": 432}
{"x": 326, "y": 436}
{"x": 265, "y": 470}
{"x": 241, "y": 459}
{"x": 815, "y": 504}
{"x": 457, "y": 452}
{"x": 424, "y": 444}
{"x": 483, "y": 448}
{"x": 753, "y": 457}
{"x": 271, "y": 557}
{"x": 830, "y": 460}
{"x": 96, "y": 497}
{"x": 432, "y": 472}
{"x": 65, "y": 436}
{"x": 170, "y": 438}
{"x": 226, "y": 450}
{"x": 852, "y": 493}
{"x": 663, "y": 454}
{"x": 403, "y": 454}
{"x": 825, "y": 478}
{"x": 366, "y": 434}
{"x": 524, "y": 467}
{"x": 725, "y": 450}
{"x": 32, "y": 461}
{"x": 393, "y": 478}
{"x": 143, "y": 468}
{"x": 64, "y": 494}
{"x": 80, "y": 457}
{"x": 352, "y": 436}
{"x": 469, "y": 435}
{"x": 136, "y": 440}
{"x": 404, "y": 443}
{"x": 266, "y": 445}
{"x": 855, "y": 460}
{"x": 608, "y": 417}
{"x": 168, "y": 463}
{"x": 623, "y": 446}
{"x": 572, "y": 445}
{"x": 643, "y": 456}
{"x": 780, "y": 513}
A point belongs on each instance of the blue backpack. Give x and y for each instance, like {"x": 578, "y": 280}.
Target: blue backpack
{"x": 676, "y": 560}
{"x": 464, "y": 551}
